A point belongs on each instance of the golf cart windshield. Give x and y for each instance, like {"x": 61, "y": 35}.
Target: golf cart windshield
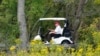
{"x": 52, "y": 19}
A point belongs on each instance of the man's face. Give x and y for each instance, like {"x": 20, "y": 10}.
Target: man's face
{"x": 56, "y": 24}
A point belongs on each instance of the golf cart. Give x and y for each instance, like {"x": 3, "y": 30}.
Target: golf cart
{"x": 65, "y": 38}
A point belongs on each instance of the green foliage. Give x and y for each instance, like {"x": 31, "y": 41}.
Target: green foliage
{"x": 37, "y": 48}
{"x": 97, "y": 2}
{"x": 69, "y": 1}
{"x": 90, "y": 34}
{"x": 8, "y": 21}
{"x": 35, "y": 9}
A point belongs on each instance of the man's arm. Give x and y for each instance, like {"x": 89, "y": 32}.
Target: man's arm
{"x": 51, "y": 31}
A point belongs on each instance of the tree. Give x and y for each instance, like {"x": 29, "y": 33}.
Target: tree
{"x": 77, "y": 21}
{"x": 22, "y": 24}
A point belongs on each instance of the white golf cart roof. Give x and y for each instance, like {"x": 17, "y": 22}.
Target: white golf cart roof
{"x": 52, "y": 19}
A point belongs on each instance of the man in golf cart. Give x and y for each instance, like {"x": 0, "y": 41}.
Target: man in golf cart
{"x": 57, "y": 32}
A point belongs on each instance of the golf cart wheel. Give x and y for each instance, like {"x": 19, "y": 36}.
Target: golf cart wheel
{"x": 66, "y": 43}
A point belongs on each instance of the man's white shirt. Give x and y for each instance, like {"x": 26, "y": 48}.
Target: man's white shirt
{"x": 58, "y": 30}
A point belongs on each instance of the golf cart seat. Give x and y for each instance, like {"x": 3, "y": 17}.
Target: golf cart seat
{"x": 66, "y": 31}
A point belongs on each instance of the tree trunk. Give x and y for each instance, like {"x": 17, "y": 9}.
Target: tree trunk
{"x": 22, "y": 24}
{"x": 77, "y": 21}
